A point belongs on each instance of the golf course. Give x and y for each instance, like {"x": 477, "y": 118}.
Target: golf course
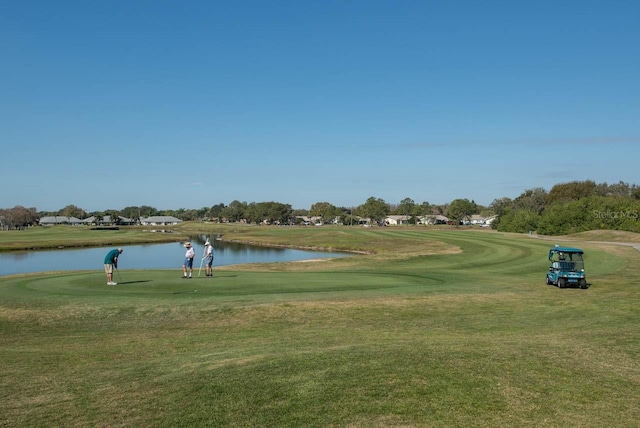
{"x": 419, "y": 327}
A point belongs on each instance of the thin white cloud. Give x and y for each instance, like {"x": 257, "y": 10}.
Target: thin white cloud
{"x": 601, "y": 140}
{"x": 592, "y": 141}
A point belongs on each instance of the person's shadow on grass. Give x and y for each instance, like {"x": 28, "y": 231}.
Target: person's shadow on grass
{"x": 133, "y": 282}
{"x": 219, "y": 276}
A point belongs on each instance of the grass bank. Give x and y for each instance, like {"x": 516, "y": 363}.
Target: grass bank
{"x": 51, "y": 237}
{"x": 430, "y": 328}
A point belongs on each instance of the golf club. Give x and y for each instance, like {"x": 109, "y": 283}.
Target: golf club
{"x": 199, "y": 270}
{"x": 119, "y": 277}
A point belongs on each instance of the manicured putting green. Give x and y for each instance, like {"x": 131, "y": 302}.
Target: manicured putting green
{"x": 166, "y": 285}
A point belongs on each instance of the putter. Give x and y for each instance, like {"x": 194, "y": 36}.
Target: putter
{"x": 200, "y": 270}
{"x": 119, "y": 277}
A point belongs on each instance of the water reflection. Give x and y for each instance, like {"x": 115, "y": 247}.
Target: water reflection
{"x": 150, "y": 256}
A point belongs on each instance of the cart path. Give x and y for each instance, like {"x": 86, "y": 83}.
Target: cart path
{"x": 551, "y": 238}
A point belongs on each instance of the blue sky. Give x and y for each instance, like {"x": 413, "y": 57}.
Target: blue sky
{"x": 189, "y": 104}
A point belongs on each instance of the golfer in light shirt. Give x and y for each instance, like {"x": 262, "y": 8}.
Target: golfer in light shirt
{"x": 188, "y": 260}
{"x": 208, "y": 258}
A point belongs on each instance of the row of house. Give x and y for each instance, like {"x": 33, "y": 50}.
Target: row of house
{"x": 74, "y": 221}
{"x": 399, "y": 220}
{"x": 160, "y": 220}
{"x": 396, "y": 220}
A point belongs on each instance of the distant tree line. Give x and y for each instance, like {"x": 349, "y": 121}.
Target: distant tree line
{"x": 567, "y": 208}
{"x": 571, "y": 207}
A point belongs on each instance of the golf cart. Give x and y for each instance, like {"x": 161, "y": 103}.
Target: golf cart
{"x": 567, "y": 267}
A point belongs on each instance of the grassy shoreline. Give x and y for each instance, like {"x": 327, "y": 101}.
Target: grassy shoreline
{"x": 54, "y": 237}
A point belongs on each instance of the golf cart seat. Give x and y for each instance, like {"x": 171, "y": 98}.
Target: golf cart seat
{"x": 563, "y": 266}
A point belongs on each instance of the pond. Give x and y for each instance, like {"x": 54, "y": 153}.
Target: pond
{"x": 152, "y": 256}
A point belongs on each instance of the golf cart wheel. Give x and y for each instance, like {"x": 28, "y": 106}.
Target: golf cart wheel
{"x": 548, "y": 281}
{"x": 562, "y": 282}
{"x": 583, "y": 284}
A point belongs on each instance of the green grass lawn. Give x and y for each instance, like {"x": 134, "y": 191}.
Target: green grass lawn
{"x": 431, "y": 328}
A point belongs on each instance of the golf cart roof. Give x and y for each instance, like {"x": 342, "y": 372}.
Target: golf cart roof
{"x": 564, "y": 250}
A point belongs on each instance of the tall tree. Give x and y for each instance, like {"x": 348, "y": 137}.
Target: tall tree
{"x": 374, "y": 208}
{"x": 325, "y": 210}
{"x": 279, "y": 212}
{"x": 572, "y": 191}
{"x": 534, "y": 200}
{"x": 424, "y": 209}
{"x": 500, "y": 208}
{"x": 215, "y": 213}
{"x": 19, "y": 217}
{"x": 234, "y": 211}
{"x": 131, "y": 212}
{"x": 406, "y": 207}
{"x": 461, "y": 208}
{"x": 147, "y": 211}
{"x": 73, "y": 211}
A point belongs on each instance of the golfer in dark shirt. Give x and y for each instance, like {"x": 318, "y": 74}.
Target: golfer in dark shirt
{"x": 111, "y": 261}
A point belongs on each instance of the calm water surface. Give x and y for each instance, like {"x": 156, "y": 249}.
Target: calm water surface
{"x": 152, "y": 256}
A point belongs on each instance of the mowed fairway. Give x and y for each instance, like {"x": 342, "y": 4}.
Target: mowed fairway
{"x": 437, "y": 328}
